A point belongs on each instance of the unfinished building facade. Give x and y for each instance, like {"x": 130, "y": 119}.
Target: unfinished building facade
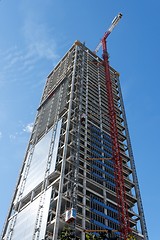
{"x": 68, "y": 175}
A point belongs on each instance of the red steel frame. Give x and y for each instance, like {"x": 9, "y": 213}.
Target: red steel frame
{"x": 120, "y": 188}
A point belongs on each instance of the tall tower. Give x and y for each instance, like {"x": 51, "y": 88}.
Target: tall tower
{"x": 69, "y": 174}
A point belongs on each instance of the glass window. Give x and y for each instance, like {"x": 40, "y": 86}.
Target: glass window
{"x": 55, "y": 148}
{"x": 38, "y": 163}
{"x": 26, "y": 219}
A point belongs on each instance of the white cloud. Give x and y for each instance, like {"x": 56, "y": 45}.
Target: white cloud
{"x": 0, "y": 135}
{"x": 13, "y": 137}
{"x": 40, "y": 40}
{"x": 16, "y": 64}
{"x": 19, "y": 62}
{"x": 28, "y": 128}
{"x": 22, "y": 131}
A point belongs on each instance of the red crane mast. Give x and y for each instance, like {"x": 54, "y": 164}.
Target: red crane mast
{"x": 118, "y": 166}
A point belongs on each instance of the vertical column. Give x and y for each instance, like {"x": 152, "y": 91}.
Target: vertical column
{"x": 132, "y": 162}
{"x": 85, "y": 153}
{"x": 59, "y": 200}
{"x": 101, "y": 127}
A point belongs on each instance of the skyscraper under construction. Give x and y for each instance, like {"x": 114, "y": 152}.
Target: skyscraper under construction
{"x": 79, "y": 169}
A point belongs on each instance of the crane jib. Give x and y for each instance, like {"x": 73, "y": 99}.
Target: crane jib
{"x": 110, "y": 29}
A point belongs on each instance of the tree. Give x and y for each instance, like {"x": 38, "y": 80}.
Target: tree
{"x": 89, "y": 236}
{"x": 68, "y": 234}
{"x": 106, "y": 236}
{"x": 101, "y": 236}
{"x": 131, "y": 237}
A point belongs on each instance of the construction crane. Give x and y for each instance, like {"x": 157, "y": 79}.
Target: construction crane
{"x": 110, "y": 29}
{"x": 118, "y": 167}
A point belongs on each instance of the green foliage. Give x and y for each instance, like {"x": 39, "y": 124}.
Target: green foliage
{"x": 68, "y": 234}
{"x": 131, "y": 237}
{"x": 102, "y": 236}
{"x": 89, "y": 236}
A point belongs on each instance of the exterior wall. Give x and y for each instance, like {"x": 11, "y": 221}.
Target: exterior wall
{"x": 68, "y": 163}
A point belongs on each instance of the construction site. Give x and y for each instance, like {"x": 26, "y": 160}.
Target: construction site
{"x": 79, "y": 170}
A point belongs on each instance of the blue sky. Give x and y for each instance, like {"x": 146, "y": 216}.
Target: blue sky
{"x": 34, "y": 35}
